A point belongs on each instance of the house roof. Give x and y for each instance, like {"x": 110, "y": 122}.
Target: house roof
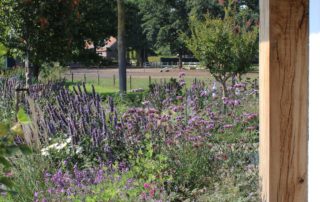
{"x": 110, "y": 42}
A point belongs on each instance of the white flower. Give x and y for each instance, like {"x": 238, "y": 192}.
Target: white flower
{"x": 53, "y": 146}
{"x": 214, "y": 87}
{"x": 61, "y": 146}
{"x": 44, "y": 152}
{"x": 237, "y": 91}
{"x": 68, "y": 140}
{"x": 79, "y": 150}
{"x": 214, "y": 95}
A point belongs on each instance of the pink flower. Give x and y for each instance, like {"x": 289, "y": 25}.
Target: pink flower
{"x": 182, "y": 74}
{"x": 228, "y": 126}
{"x": 151, "y": 193}
{"x": 146, "y": 186}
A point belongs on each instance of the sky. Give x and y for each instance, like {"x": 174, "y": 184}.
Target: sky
{"x": 314, "y": 16}
{"x": 314, "y": 100}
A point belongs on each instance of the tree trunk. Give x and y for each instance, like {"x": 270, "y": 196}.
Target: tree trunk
{"x": 121, "y": 47}
{"x": 28, "y": 70}
{"x": 141, "y": 57}
{"x": 234, "y": 79}
{"x": 36, "y": 71}
{"x": 224, "y": 89}
{"x": 224, "y": 95}
{"x": 180, "y": 60}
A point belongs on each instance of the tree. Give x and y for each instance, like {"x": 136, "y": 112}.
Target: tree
{"x": 95, "y": 23}
{"x": 163, "y": 21}
{"x": 41, "y": 30}
{"x": 201, "y": 8}
{"x": 135, "y": 37}
{"x": 122, "y": 47}
{"x": 224, "y": 46}
{"x": 54, "y": 31}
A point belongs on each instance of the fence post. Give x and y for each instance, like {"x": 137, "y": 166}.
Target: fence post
{"x": 114, "y": 80}
{"x": 72, "y": 77}
{"x": 149, "y": 80}
{"x": 85, "y": 78}
{"x": 130, "y": 80}
{"x": 98, "y": 79}
{"x": 17, "y": 101}
{"x": 256, "y": 87}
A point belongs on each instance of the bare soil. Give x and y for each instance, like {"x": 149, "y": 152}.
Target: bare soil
{"x": 144, "y": 73}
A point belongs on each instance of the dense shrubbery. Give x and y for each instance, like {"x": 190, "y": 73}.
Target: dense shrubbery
{"x": 179, "y": 143}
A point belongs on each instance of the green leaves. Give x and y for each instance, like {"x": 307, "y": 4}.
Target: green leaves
{"x": 4, "y": 129}
{"x": 225, "y": 46}
{"x": 7, "y": 150}
{"x": 4, "y": 162}
{"x": 25, "y": 149}
{"x": 3, "y": 50}
{"x": 6, "y": 181}
{"x": 23, "y": 117}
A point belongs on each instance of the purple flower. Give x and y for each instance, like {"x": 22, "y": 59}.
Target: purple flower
{"x": 228, "y": 126}
{"x": 182, "y": 74}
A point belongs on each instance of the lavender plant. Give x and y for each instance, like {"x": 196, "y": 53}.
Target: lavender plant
{"x": 186, "y": 129}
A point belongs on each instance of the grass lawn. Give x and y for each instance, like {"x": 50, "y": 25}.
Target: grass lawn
{"x": 106, "y": 85}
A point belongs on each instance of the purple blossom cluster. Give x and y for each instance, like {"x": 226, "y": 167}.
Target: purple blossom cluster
{"x": 77, "y": 182}
{"x": 78, "y": 115}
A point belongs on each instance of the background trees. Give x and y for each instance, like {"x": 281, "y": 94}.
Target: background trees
{"x": 41, "y": 30}
{"x": 226, "y": 46}
{"x": 163, "y": 21}
{"x": 96, "y": 21}
{"x": 122, "y": 46}
{"x": 48, "y": 31}
{"x": 55, "y": 31}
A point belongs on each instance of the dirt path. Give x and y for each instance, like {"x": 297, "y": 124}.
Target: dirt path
{"x": 144, "y": 73}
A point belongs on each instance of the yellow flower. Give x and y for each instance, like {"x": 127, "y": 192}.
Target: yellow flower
{"x": 17, "y": 129}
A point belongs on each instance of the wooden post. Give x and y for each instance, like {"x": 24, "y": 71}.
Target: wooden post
{"x": 72, "y": 77}
{"x": 85, "y": 78}
{"x": 17, "y": 101}
{"x": 114, "y": 80}
{"x": 284, "y": 100}
{"x": 130, "y": 80}
{"x": 17, "y": 94}
{"x": 98, "y": 79}
{"x": 149, "y": 80}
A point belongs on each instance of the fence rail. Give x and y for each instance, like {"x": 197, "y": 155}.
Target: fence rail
{"x": 171, "y": 64}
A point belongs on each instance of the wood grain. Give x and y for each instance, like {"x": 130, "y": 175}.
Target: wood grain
{"x": 284, "y": 100}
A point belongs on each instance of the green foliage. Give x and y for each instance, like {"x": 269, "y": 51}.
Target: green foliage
{"x": 28, "y": 176}
{"x": 3, "y": 50}
{"x": 49, "y": 31}
{"x": 149, "y": 166}
{"x": 7, "y": 150}
{"x": 147, "y": 169}
{"x": 225, "y": 46}
{"x": 190, "y": 165}
{"x": 52, "y": 72}
{"x": 162, "y": 22}
{"x": 23, "y": 117}
{"x": 221, "y": 46}
{"x": 200, "y": 8}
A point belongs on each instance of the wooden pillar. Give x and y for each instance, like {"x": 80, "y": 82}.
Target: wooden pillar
{"x": 284, "y": 100}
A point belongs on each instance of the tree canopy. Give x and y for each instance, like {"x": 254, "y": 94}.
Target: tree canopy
{"x": 226, "y": 46}
{"x": 55, "y": 31}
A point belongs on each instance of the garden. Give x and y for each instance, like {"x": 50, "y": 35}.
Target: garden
{"x": 170, "y": 143}
{"x": 178, "y": 138}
